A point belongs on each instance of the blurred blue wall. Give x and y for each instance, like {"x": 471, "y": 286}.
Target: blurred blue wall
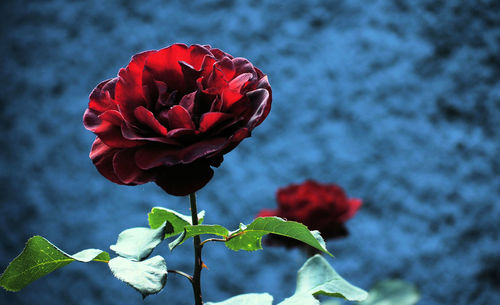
{"x": 399, "y": 103}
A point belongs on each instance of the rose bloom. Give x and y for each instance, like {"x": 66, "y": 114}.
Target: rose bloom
{"x": 171, "y": 115}
{"x": 322, "y": 207}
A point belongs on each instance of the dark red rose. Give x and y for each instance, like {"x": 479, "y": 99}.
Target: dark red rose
{"x": 322, "y": 207}
{"x": 172, "y": 114}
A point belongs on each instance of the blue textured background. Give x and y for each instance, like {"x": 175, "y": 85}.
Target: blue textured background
{"x": 399, "y": 103}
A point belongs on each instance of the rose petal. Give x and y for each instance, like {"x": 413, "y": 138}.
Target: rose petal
{"x": 228, "y": 124}
{"x": 219, "y": 54}
{"x": 127, "y": 171}
{"x": 197, "y": 54}
{"x": 107, "y": 126}
{"x": 354, "y": 205}
{"x": 238, "y": 82}
{"x": 264, "y": 83}
{"x": 163, "y": 108}
{"x": 267, "y": 213}
{"x": 187, "y": 102}
{"x": 91, "y": 119}
{"x": 102, "y": 157}
{"x": 182, "y": 134}
{"x": 129, "y": 90}
{"x": 101, "y": 98}
{"x": 207, "y": 65}
{"x": 211, "y": 119}
{"x": 260, "y": 101}
{"x": 229, "y": 98}
{"x": 129, "y": 133}
{"x": 193, "y": 67}
{"x": 232, "y": 93}
{"x": 235, "y": 139}
{"x": 147, "y": 118}
{"x": 222, "y": 74}
{"x": 179, "y": 117}
{"x": 163, "y": 96}
{"x": 189, "y": 75}
{"x": 216, "y": 105}
{"x": 164, "y": 66}
{"x": 243, "y": 66}
{"x": 154, "y": 156}
{"x": 184, "y": 179}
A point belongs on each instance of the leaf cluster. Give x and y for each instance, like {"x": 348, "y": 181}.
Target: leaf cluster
{"x": 149, "y": 275}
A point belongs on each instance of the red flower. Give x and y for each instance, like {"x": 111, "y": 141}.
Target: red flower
{"x": 172, "y": 114}
{"x": 322, "y": 207}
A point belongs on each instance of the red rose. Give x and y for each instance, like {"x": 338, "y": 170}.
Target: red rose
{"x": 172, "y": 114}
{"x": 322, "y": 207}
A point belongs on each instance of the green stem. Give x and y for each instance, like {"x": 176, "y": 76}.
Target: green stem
{"x": 197, "y": 254}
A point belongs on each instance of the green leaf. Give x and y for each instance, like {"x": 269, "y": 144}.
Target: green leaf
{"x": 40, "y": 258}
{"x": 191, "y": 231}
{"x": 176, "y": 221}
{"x": 247, "y": 299}
{"x": 319, "y": 238}
{"x": 250, "y": 238}
{"x": 331, "y": 302}
{"x": 147, "y": 277}
{"x": 317, "y": 277}
{"x": 392, "y": 292}
{"x": 300, "y": 299}
{"x": 138, "y": 243}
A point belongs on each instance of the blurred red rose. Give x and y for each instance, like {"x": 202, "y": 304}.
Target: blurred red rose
{"x": 172, "y": 114}
{"x": 322, "y": 207}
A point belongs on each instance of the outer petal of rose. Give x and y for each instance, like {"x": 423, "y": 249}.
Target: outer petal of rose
{"x": 130, "y": 133}
{"x": 101, "y": 98}
{"x": 102, "y": 157}
{"x": 91, "y": 119}
{"x": 219, "y": 54}
{"x": 184, "y": 179}
{"x": 260, "y": 100}
{"x": 229, "y": 125}
{"x": 182, "y": 135}
{"x": 242, "y": 65}
{"x": 129, "y": 90}
{"x": 178, "y": 117}
{"x": 127, "y": 171}
{"x": 256, "y": 102}
{"x": 354, "y": 205}
{"x": 107, "y": 126}
{"x": 210, "y": 120}
{"x": 110, "y": 130}
{"x": 150, "y": 157}
{"x": 250, "y": 106}
{"x": 147, "y": 118}
{"x": 237, "y": 137}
